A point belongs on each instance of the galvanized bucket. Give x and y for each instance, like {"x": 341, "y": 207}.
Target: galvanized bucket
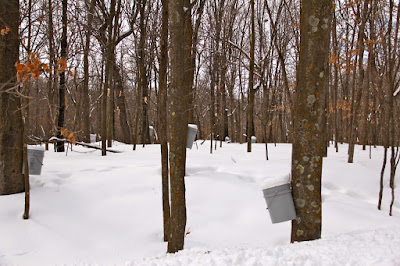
{"x": 35, "y": 160}
{"x": 280, "y": 203}
{"x": 191, "y": 135}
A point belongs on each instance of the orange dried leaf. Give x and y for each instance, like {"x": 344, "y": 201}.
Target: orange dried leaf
{"x": 62, "y": 63}
{"x": 20, "y": 67}
{"x": 36, "y": 63}
{"x": 29, "y": 66}
{"x": 25, "y": 76}
{"x": 35, "y": 74}
{"x": 72, "y": 140}
{"x": 5, "y": 31}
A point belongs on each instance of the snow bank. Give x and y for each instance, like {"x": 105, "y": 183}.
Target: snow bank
{"x": 374, "y": 247}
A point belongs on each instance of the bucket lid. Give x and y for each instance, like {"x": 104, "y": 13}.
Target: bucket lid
{"x": 37, "y": 148}
{"x": 275, "y": 181}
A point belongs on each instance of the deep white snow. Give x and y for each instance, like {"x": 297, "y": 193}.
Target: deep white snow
{"x": 92, "y": 210}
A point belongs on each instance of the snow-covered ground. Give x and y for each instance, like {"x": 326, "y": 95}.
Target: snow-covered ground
{"x": 92, "y": 210}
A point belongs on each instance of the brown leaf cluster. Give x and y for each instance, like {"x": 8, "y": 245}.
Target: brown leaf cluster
{"x": 33, "y": 68}
{"x": 62, "y": 65}
{"x": 68, "y": 135}
{"x": 5, "y": 31}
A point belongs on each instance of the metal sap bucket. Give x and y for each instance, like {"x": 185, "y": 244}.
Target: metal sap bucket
{"x": 35, "y": 160}
{"x": 280, "y": 203}
{"x": 191, "y": 135}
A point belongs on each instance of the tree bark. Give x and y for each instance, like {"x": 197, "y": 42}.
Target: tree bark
{"x": 62, "y": 89}
{"x": 178, "y": 126}
{"x": 357, "y": 90}
{"x": 315, "y": 23}
{"x": 11, "y": 125}
{"x": 121, "y": 104}
{"x": 143, "y": 74}
{"x": 162, "y": 116}
{"x": 250, "y": 109}
{"x": 391, "y": 66}
{"x": 51, "y": 80}
{"x": 85, "y": 90}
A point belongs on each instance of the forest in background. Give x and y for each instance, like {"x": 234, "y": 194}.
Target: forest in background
{"x": 114, "y": 48}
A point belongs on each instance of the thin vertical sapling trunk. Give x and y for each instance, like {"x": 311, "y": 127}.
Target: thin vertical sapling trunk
{"x": 162, "y": 116}
{"x": 62, "y": 89}
{"x": 250, "y": 110}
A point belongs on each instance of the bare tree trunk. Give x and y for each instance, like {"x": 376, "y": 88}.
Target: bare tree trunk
{"x": 137, "y": 113}
{"x": 51, "y": 81}
{"x": 121, "y": 103}
{"x": 162, "y": 118}
{"x": 223, "y": 132}
{"x": 85, "y": 90}
{"x": 178, "y": 126}
{"x": 335, "y": 82}
{"x": 26, "y": 124}
{"x": 11, "y": 125}
{"x": 381, "y": 179}
{"x": 315, "y": 23}
{"x": 111, "y": 42}
{"x": 106, "y": 123}
{"x": 189, "y": 59}
{"x": 266, "y": 118}
{"x": 391, "y": 65}
{"x": 357, "y": 91}
{"x": 212, "y": 104}
{"x": 250, "y": 110}
{"x": 62, "y": 89}
{"x": 143, "y": 74}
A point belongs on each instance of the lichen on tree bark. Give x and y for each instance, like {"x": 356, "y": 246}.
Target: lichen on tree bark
{"x": 308, "y": 127}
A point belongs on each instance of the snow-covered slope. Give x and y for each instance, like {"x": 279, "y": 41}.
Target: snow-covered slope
{"x": 87, "y": 209}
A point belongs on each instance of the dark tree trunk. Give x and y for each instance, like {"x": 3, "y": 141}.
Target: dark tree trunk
{"x": 85, "y": 89}
{"x": 315, "y": 20}
{"x": 335, "y": 83}
{"x": 11, "y": 125}
{"x": 111, "y": 32}
{"x": 121, "y": 104}
{"x": 143, "y": 74}
{"x": 162, "y": 116}
{"x": 250, "y": 110}
{"x": 381, "y": 179}
{"x": 62, "y": 89}
{"x": 107, "y": 108}
{"x": 356, "y": 98}
{"x": 188, "y": 57}
{"x": 392, "y": 67}
{"x": 26, "y": 122}
{"x": 178, "y": 126}
{"x": 51, "y": 82}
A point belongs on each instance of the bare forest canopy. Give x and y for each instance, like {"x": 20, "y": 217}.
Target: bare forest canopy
{"x": 113, "y": 47}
